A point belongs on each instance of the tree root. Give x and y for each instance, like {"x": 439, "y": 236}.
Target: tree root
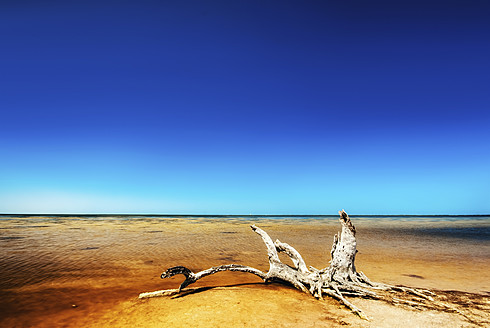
{"x": 338, "y": 280}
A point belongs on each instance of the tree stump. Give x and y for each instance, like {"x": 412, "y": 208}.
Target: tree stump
{"x": 338, "y": 280}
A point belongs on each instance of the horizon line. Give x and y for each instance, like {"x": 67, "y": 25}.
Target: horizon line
{"x": 210, "y": 215}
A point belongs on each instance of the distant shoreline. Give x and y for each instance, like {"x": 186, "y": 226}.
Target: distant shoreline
{"x": 239, "y": 215}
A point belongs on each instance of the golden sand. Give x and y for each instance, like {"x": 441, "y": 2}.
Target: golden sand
{"x": 76, "y": 273}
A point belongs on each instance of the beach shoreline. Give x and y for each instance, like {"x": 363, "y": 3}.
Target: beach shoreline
{"x": 77, "y": 273}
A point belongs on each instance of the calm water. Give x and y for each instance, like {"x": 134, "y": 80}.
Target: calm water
{"x": 49, "y": 263}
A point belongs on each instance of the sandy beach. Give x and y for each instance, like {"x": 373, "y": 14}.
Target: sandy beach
{"x": 72, "y": 272}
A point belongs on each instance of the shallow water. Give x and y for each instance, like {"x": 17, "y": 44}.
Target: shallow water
{"x": 66, "y": 267}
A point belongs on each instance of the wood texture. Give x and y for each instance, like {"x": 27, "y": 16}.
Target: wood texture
{"x": 338, "y": 280}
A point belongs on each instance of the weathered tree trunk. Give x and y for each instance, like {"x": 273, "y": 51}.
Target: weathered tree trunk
{"x": 342, "y": 268}
{"x": 337, "y": 280}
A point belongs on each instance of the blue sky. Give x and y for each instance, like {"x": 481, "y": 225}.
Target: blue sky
{"x": 238, "y": 107}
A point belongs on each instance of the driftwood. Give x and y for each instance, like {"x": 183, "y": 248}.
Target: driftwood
{"x": 339, "y": 280}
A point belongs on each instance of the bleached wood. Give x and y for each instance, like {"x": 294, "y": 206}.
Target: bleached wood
{"x": 337, "y": 280}
{"x": 297, "y": 259}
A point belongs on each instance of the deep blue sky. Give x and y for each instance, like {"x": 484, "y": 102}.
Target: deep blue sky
{"x": 238, "y": 107}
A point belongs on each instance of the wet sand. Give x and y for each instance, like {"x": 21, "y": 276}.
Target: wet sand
{"x": 76, "y": 272}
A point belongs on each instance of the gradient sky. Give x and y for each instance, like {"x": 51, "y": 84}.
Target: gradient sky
{"x": 239, "y": 107}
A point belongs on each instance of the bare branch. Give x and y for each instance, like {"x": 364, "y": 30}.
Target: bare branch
{"x": 337, "y": 280}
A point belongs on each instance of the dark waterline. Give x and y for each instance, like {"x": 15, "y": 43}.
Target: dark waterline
{"x": 469, "y": 227}
{"x": 401, "y": 216}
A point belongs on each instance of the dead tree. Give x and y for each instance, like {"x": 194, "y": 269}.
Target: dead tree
{"x": 338, "y": 280}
